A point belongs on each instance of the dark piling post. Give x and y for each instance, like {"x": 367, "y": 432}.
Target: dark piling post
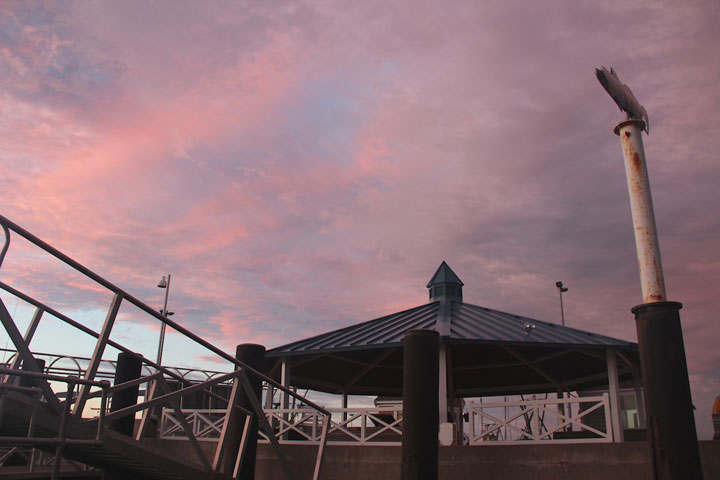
{"x": 29, "y": 382}
{"x": 420, "y": 405}
{"x": 252, "y": 355}
{"x": 129, "y": 366}
{"x": 670, "y": 422}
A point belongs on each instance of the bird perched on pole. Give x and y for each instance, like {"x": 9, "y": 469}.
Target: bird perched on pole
{"x": 622, "y": 95}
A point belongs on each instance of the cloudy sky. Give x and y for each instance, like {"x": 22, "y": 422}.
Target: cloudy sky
{"x": 301, "y": 166}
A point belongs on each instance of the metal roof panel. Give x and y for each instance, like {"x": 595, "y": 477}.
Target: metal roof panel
{"x": 468, "y": 323}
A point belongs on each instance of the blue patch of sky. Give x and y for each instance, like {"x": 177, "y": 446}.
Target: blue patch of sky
{"x": 9, "y": 32}
{"x": 328, "y": 114}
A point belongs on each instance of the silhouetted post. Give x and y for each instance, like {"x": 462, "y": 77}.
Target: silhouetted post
{"x": 420, "y": 405}
{"x": 670, "y": 420}
{"x": 252, "y": 355}
{"x": 29, "y": 381}
{"x": 129, "y": 366}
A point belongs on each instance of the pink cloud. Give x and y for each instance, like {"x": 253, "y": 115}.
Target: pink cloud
{"x": 301, "y": 167}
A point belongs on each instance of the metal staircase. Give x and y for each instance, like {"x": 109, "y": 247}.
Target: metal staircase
{"x": 42, "y": 411}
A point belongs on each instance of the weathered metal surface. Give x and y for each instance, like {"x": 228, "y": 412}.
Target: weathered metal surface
{"x": 466, "y": 323}
{"x": 646, "y": 239}
{"x": 622, "y": 95}
{"x": 381, "y": 331}
{"x": 670, "y": 421}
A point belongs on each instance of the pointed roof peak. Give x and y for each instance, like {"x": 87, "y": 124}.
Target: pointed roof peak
{"x": 444, "y": 274}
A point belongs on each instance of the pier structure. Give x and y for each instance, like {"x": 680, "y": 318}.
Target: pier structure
{"x": 556, "y": 383}
{"x": 503, "y": 380}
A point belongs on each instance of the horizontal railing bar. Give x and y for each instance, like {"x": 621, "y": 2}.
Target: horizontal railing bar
{"x": 168, "y": 396}
{"x": 18, "y": 388}
{"x": 549, "y": 401}
{"x": 58, "y": 356}
{"x": 46, "y": 441}
{"x": 55, "y": 378}
{"x": 132, "y": 383}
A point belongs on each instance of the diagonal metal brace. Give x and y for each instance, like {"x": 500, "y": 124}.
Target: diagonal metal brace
{"x": 27, "y": 357}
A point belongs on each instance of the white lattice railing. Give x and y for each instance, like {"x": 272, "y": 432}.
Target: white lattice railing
{"x": 349, "y": 426}
{"x": 205, "y": 424}
{"x": 564, "y": 420}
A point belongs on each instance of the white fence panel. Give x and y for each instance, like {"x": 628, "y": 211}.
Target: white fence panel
{"x": 563, "y": 420}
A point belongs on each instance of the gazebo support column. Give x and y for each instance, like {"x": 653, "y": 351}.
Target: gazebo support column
{"x": 285, "y": 381}
{"x": 561, "y": 406}
{"x": 269, "y": 394}
{"x": 344, "y": 404}
{"x": 443, "y": 384}
{"x": 639, "y": 400}
{"x": 614, "y": 389}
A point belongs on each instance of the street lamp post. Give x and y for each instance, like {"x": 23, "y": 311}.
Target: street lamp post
{"x": 166, "y": 285}
{"x": 561, "y": 290}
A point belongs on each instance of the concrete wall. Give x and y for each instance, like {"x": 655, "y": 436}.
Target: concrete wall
{"x": 619, "y": 461}
{"x": 625, "y": 461}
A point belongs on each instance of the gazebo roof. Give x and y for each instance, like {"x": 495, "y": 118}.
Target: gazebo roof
{"x": 462, "y": 323}
{"x": 491, "y": 352}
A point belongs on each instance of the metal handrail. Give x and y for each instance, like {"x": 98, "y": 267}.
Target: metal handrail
{"x": 8, "y": 224}
{"x": 56, "y": 357}
{"x": 7, "y": 243}
{"x": 239, "y": 375}
{"x": 104, "y": 384}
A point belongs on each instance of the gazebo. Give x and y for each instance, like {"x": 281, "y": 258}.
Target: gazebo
{"x": 483, "y": 352}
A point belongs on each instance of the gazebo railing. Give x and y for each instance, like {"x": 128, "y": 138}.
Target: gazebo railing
{"x": 533, "y": 421}
{"x": 563, "y": 420}
{"x": 348, "y": 426}
{"x": 206, "y": 424}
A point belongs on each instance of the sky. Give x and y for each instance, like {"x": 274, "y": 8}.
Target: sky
{"x": 302, "y": 166}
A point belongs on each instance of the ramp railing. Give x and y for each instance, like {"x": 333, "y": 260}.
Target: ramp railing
{"x": 159, "y": 391}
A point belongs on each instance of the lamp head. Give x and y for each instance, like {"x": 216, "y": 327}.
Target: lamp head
{"x": 162, "y": 283}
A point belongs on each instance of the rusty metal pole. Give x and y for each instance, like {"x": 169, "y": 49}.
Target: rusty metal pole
{"x": 671, "y": 433}
{"x": 643, "y": 215}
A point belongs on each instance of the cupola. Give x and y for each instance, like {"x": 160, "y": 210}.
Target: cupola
{"x": 445, "y": 285}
